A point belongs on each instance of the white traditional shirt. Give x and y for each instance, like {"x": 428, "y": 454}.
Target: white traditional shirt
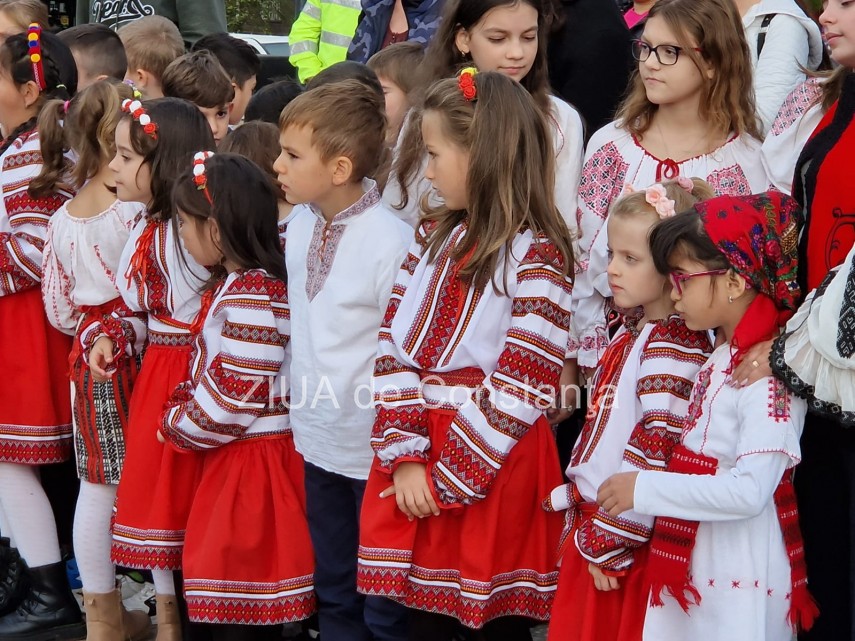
{"x": 513, "y": 343}
{"x": 797, "y": 119}
{"x": 792, "y": 43}
{"x": 635, "y": 419}
{"x": 739, "y": 563}
{"x": 81, "y": 258}
{"x": 340, "y": 276}
{"x": 614, "y": 159}
{"x": 237, "y": 388}
{"x": 23, "y": 219}
{"x": 160, "y": 284}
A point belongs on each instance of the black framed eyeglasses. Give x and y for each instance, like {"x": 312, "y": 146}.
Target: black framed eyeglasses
{"x": 666, "y": 54}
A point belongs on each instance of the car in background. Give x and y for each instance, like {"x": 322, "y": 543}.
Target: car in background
{"x": 266, "y": 45}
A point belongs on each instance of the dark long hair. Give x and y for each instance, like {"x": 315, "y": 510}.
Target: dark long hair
{"x": 244, "y": 206}
{"x": 181, "y": 131}
{"x": 60, "y": 73}
{"x": 684, "y": 235}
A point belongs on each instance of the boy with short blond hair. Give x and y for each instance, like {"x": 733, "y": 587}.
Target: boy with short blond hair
{"x": 199, "y": 78}
{"x": 345, "y": 249}
{"x": 151, "y": 44}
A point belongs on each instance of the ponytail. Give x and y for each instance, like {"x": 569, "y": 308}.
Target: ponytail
{"x": 52, "y": 139}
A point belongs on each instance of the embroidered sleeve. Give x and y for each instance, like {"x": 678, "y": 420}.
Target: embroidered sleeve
{"x": 516, "y": 394}
{"x": 57, "y": 285}
{"x": 603, "y": 176}
{"x": 671, "y": 358}
{"x": 400, "y": 429}
{"x": 771, "y": 420}
{"x": 126, "y": 328}
{"x": 21, "y": 247}
{"x": 242, "y": 382}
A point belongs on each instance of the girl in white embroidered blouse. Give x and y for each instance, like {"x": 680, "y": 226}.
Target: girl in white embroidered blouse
{"x": 639, "y": 399}
{"x": 470, "y": 357}
{"x": 85, "y": 240}
{"x": 687, "y": 113}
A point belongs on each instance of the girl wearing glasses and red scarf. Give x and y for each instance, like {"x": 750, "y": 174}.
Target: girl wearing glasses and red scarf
{"x": 726, "y": 557}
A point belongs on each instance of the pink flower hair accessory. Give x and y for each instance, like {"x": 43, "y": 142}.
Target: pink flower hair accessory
{"x": 685, "y": 183}
{"x": 657, "y": 197}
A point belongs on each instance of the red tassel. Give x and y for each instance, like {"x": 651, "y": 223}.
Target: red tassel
{"x": 686, "y": 595}
{"x": 803, "y": 610}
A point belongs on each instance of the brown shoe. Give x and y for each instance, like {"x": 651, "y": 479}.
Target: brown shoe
{"x": 107, "y": 619}
{"x": 168, "y": 621}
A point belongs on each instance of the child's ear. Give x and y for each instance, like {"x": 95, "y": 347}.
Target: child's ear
{"x": 737, "y": 285}
{"x": 461, "y": 41}
{"x": 342, "y": 171}
{"x": 30, "y": 93}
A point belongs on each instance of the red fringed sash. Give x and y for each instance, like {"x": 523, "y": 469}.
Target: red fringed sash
{"x": 673, "y": 540}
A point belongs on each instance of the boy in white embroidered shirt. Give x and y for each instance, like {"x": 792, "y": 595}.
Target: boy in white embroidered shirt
{"x": 344, "y": 251}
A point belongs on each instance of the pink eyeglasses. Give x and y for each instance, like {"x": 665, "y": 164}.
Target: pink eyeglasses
{"x": 677, "y": 280}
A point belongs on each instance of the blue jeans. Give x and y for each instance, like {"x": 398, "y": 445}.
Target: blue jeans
{"x": 333, "y": 503}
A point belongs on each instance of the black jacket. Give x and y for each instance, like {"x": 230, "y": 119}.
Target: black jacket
{"x": 590, "y": 59}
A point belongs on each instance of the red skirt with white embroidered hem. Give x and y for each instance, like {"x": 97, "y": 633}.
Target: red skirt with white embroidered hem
{"x": 248, "y": 557}
{"x": 583, "y": 613}
{"x": 491, "y": 559}
{"x": 35, "y": 398}
{"x": 158, "y": 482}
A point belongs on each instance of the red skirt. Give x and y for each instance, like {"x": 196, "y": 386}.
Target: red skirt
{"x": 583, "y": 613}
{"x": 492, "y": 559}
{"x": 158, "y": 482}
{"x": 248, "y": 556}
{"x": 35, "y": 398}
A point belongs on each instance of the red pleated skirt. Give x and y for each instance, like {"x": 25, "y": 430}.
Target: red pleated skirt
{"x": 491, "y": 559}
{"x": 35, "y": 398}
{"x": 583, "y": 613}
{"x": 158, "y": 482}
{"x": 248, "y": 556}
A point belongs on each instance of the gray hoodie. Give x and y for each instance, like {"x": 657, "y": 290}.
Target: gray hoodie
{"x": 195, "y": 18}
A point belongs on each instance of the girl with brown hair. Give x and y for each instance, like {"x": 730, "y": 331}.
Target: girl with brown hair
{"x": 687, "y": 113}
{"x": 471, "y": 351}
{"x": 492, "y": 35}
{"x": 81, "y": 258}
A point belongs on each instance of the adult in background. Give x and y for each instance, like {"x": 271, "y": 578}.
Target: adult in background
{"x": 590, "y": 58}
{"x": 194, "y": 18}
{"x": 385, "y": 22}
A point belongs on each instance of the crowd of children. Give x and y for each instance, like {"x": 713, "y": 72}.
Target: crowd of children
{"x": 309, "y": 348}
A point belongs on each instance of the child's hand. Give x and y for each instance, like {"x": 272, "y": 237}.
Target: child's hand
{"x": 603, "y": 582}
{"x": 754, "y": 366}
{"x": 566, "y": 400}
{"x": 412, "y": 491}
{"x": 101, "y": 357}
{"x": 617, "y": 494}
{"x": 160, "y": 437}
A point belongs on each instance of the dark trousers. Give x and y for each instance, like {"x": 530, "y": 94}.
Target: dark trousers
{"x": 825, "y": 487}
{"x": 333, "y": 503}
{"x": 427, "y": 626}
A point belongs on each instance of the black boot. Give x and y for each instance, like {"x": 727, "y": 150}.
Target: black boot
{"x": 13, "y": 585}
{"x": 48, "y": 612}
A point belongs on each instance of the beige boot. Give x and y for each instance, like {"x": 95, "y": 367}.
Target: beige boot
{"x": 107, "y": 619}
{"x": 168, "y": 621}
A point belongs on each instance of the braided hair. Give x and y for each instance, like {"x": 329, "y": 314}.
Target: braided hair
{"x": 60, "y": 74}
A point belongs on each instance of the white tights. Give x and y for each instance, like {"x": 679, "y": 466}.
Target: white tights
{"x": 27, "y": 515}
{"x": 92, "y": 537}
